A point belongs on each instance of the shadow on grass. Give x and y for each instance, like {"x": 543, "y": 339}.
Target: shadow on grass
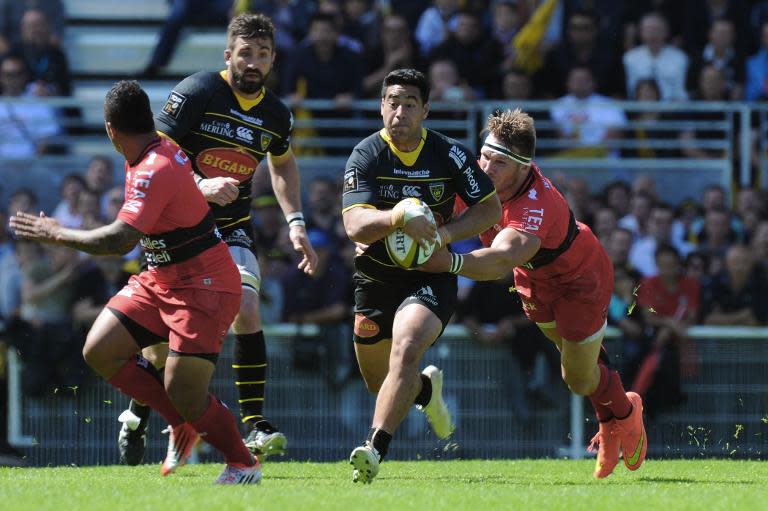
{"x": 687, "y": 480}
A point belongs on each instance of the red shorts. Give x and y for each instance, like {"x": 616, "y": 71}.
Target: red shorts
{"x": 194, "y": 320}
{"x": 576, "y": 310}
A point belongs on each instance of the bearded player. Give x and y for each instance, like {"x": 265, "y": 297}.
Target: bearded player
{"x": 227, "y": 122}
{"x": 564, "y": 277}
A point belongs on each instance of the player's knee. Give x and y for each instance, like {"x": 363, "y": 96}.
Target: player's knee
{"x": 248, "y": 319}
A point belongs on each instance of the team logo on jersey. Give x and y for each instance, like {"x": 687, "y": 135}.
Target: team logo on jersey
{"x": 411, "y": 191}
{"x": 532, "y": 194}
{"x": 437, "y": 190}
{"x": 265, "y": 139}
{"x": 226, "y": 162}
{"x": 174, "y": 103}
{"x": 246, "y": 134}
{"x": 350, "y": 181}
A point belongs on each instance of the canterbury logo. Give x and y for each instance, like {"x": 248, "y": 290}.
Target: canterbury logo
{"x": 632, "y": 460}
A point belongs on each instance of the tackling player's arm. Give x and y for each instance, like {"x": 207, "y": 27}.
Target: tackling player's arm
{"x": 477, "y": 218}
{"x": 509, "y": 249}
{"x": 115, "y": 238}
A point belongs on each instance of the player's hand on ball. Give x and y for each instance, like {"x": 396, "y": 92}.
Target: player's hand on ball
{"x": 220, "y": 190}
{"x": 35, "y": 228}
{"x": 422, "y": 230}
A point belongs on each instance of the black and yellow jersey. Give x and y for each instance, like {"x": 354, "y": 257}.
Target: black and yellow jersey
{"x": 225, "y": 134}
{"x": 379, "y": 176}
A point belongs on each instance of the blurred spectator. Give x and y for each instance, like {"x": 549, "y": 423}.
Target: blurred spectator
{"x": 636, "y": 221}
{"x": 751, "y": 208}
{"x": 721, "y": 53}
{"x": 580, "y": 48}
{"x": 11, "y": 12}
{"x": 757, "y": 69}
{"x": 716, "y": 237}
{"x": 616, "y": 196}
{"x": 505, "y": 23}
{"x": 642, "y": 256}
{"x": 396, "y": 49}
{"x": 736, "y": 295}
{"x": 656, "y": 59}
{"x": 184, "y": 13}
{"x": 493, "y": 316}
{"x": 668, "y": 302}
{"x": 446, "y": 84}
{"x": 317, "y": 64}
{"x": 714, "y": 198}
{"x": 516, "y": 85}
{"x": 580, "y": 200}
{"x": 434, "y": 24}
{"x": 99, "y": 176}
{"x": 66, "y": 212}
{"x": 672, "y": 10}
{"x": 645, "y": 129}
{"x": 711, "y": 87}
{"x": 623, "y": 315}
{"x": 89, "y": 209}
{"x": 587, "y": 118}
{"x": 46, "y": 62}
{"x": 701, "y": 14}
{"x": 645, "y": 184}
{"x": 43, "y": 331}
{"x": 25, "y": 127}
{"x": 618, "y": 246}
{"x": 321, "y": 299}
{"x": 604, "y": 223}
{"x": 476, "y": 56}
{"x": 696, "y": 266}
{"x": 333, "y": 9}
{"x": 361, "y": 21}
{"x": 324, "y": 203}
{"x": 10, "y": 276}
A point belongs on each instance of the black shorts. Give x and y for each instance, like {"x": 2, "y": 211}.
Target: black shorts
{"x": 377, "y": 302}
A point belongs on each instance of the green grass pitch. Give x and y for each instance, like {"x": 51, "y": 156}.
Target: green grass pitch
{"x": 418, "y": 485}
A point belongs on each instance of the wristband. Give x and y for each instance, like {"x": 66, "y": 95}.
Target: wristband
{"x": 457, "y": 262}
{"x": 198, "y": 180}
{"x": 295, "y": 219}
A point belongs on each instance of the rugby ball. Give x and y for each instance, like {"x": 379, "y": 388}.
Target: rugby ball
{"x": 404, "y": 251}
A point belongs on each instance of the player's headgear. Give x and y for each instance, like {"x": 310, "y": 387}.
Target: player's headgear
{"x": 127, "y": 109}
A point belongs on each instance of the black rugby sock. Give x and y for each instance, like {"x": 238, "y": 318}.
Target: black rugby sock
{"x": 425, "y": 395}
{"x": 250, "y": 365}
{"x": 379, "y": 439}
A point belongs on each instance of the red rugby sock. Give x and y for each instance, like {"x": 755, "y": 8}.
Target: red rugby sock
{"x": 140, "y": 380}
{"x": 217, "y": 426}
{"x": 609, "y": 398}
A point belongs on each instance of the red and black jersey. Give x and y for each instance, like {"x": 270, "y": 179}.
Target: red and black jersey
{"x": 225, "y": 134}
{"x": 183, "y": 248}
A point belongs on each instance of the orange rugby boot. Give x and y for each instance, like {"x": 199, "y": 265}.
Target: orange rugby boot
{"x": 631, "y": 433}
{"x": 607, "y": 442}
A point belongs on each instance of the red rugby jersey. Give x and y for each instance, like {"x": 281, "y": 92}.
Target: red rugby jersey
{"x": 161, "y": 196}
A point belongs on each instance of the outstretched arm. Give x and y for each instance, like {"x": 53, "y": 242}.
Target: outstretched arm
{"x": 115, "y": 238}
{"x": 510, "y": 248}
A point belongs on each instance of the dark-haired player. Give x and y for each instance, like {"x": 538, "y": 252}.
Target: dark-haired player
{"x": 399, "y": 313}
{"x": 562, "y": 274}
{"x": 188, "y": 295}
{"x": 227, "y": 122}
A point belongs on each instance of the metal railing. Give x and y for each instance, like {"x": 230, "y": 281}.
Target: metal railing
{"x": 722, "y": 417}
{"x": 325, "y": 135}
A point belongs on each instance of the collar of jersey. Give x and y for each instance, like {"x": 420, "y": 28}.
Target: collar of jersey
{"x": 410, "y": 157}
{"x": 245, "y": 103}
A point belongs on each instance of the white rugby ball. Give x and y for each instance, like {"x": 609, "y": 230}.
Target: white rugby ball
{"x": 404, "y": 251}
